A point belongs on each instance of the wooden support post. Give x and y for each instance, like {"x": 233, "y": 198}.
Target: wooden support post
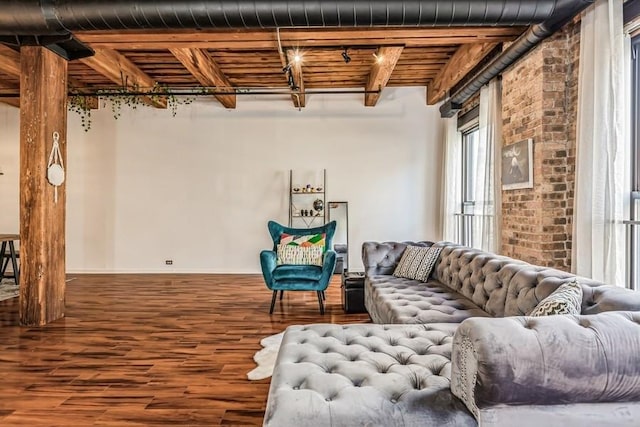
{"x": 43, "y": 111}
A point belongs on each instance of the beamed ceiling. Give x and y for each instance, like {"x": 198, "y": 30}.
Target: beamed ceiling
{"x": 233, "y": 60}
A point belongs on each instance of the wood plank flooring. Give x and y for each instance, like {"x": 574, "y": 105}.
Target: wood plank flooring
{"x": 149, "y": 350}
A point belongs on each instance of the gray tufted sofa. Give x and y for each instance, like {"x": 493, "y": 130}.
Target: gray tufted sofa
{"x": 458, "y": 350}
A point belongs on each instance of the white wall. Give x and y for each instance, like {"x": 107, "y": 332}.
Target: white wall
{"x": 199, "y": 187}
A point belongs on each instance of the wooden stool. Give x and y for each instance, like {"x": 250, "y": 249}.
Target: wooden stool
{"x": 5, "y": 257}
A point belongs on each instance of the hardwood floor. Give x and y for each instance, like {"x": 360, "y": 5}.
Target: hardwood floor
{"x": 149, "y": 350}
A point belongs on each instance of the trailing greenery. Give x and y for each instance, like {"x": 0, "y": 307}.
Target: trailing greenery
{"x": 79, "y": 105}
{"x": 129, "y": 97}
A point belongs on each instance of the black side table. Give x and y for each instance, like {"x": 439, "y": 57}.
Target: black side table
{"x": 353, "y": 292}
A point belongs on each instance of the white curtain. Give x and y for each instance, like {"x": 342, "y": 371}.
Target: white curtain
{"x": 487, "y": 192}
{"x": 451, "y": 193}
{"x": 602, "y": 146}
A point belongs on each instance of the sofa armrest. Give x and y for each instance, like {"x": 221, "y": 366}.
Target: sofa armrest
{"x": 380, "y": 258}
{"x": 546, "y": 360}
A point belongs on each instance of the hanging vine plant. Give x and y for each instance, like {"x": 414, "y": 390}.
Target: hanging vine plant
{"x": 80, "y": 105}
{"x": 130, "y": 96}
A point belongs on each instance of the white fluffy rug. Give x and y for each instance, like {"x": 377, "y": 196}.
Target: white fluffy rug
{"x": 266, "y": 358}
{"x": 8, "y": 289}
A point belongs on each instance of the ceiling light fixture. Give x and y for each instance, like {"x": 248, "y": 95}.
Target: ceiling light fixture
{"x": 346, "y": 56}
{"x": 379, "y": 58}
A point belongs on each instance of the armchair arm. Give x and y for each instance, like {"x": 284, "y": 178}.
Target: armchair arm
{"x": 328, "y": 265}
{"x": 552, "y": 360}
{"x": 268, "y": 262}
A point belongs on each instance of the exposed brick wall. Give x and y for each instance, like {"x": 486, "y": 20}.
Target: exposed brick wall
{"x": 470, "y": 104}
{"x": 540, "y": 102}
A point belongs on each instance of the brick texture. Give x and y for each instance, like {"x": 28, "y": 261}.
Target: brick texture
{"x": 540, "y": 102}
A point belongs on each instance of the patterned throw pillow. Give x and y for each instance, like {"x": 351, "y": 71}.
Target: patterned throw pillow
{"x": 567, "y": 299}
{"x": 417, "y": 262}
{"x": 300, "y": 255}
{"x": 305, "y": 240}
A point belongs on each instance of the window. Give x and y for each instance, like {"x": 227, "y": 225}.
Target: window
{"x": 469, "y": 177}
{"x": 468, "y": 127}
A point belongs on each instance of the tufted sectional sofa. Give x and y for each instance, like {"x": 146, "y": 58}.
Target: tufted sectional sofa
{"x": 459, "y": 350}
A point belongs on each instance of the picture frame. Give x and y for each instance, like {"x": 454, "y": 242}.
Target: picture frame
{"x": 517, "y": 165}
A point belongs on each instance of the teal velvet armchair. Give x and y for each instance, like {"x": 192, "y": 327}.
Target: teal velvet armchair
{"x": 288, "y": 277}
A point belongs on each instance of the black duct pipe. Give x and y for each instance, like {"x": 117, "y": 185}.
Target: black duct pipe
{"x": 33, "y": 19}
{"x": 566, "y": 11}
{"x": 48, "y": 17}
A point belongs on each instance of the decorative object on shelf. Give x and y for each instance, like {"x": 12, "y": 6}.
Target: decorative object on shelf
{"x": 307, "y": 202}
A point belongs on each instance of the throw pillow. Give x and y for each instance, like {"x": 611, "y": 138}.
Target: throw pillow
{"x": 567, "y": 299}
{"x": 304, "y": 240}
{"x": 300, "y": 255}
{"x": 417, "y": 262}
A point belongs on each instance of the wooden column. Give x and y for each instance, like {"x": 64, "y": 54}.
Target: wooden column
{"x": 43, "y": 111}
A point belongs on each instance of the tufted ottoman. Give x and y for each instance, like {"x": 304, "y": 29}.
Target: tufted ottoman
{"x": 365, "y": 375}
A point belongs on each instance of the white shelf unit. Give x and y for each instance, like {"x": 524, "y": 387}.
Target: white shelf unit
{"x": 301, "y": 211}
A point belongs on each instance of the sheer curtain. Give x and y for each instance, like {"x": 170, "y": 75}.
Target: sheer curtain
{"x": 602, "y": 146}
{"x": 487, "y": 192}
{"x": 452, "y": 192}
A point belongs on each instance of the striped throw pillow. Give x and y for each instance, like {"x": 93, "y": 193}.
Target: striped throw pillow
{"x": 300, "y": 255}
{"x": 417, "y": 262}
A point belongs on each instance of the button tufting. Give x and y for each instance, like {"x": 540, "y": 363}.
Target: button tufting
{"x": 394, "y": 401}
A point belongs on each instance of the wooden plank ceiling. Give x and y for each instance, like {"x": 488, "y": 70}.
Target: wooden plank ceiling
{"x": 228, "y": 60}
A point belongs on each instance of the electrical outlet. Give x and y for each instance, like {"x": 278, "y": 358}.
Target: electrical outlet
{"x": 168, "y": 262}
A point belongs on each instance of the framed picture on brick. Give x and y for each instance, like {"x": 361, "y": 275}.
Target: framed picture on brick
{"x": 517, "y": 165}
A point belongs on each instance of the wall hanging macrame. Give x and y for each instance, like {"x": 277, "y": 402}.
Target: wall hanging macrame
{"x": 55, "y": 168}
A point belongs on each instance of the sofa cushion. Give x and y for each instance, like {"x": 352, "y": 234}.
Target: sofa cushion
{"x": 304, "y": 272}
{"x": 392, "y": 299}
{"x": 482, "y": 277}
{"x": 357, "y": 375}
{"x": 567, "y": 299}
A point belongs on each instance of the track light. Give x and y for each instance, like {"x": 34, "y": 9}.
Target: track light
{"x": 346, "y": 56}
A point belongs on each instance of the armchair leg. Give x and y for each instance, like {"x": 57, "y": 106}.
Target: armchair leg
{"x": 281, "y": 295}
{"x": 324, "y": 296}
{"x": 320, "y": 301}
{"x": 273, "y": 301}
